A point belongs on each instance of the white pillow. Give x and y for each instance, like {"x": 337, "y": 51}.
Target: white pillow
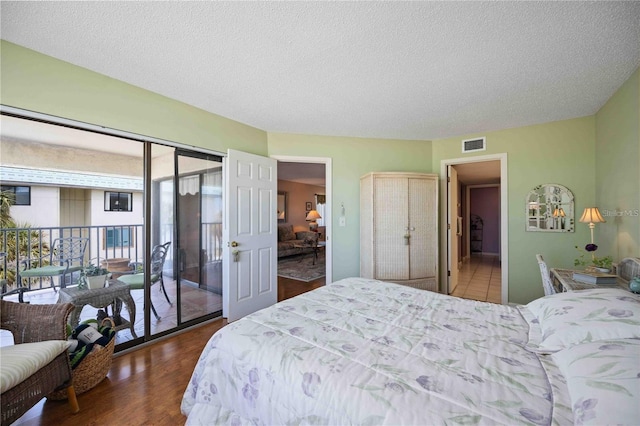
{"x": 603, "y": 379}
{"x": 567, "y": 319}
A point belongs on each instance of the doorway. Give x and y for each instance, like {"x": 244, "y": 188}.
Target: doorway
{"x": 297, "y": 170}
{"x": 473, "y": 171}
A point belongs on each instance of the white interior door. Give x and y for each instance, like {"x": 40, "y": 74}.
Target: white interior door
{"x": 250, "y": 235}
{"x": 453, "y": 233}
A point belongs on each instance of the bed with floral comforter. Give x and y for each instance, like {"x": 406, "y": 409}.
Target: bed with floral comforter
{"x": 361, "y": 351}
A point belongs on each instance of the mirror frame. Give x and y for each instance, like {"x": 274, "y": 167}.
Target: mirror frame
{"x": 282, "y": 206}
{"x": 549, "y": 208}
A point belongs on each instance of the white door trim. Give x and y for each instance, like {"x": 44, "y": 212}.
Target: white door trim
{"x": 328, "y": 190}
{"x": 504, "y": 215}
{"x": 453, "y": 203}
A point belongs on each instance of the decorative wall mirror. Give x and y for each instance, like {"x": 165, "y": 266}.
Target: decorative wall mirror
{"x": 549, "y": 208}
{"x": 282, "y": 206}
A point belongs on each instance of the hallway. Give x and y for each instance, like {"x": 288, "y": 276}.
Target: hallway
{"x": 479, "y": 278}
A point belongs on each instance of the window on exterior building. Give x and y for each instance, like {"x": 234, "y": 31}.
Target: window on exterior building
{"x": 118, "y": 201}
{"x": 22, "y": 194}
{"x": 118, "y": 237}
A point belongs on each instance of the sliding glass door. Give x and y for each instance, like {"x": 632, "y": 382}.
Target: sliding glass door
{"x": 151, "y": 212}
{"x": 199, "y": 234}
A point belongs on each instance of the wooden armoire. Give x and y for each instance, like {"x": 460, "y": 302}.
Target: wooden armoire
{"x": 399, "y": 228}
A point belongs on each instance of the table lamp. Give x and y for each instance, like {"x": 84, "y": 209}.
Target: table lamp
{"x": 311, "y": 218}
{"x": 591, "y": 215}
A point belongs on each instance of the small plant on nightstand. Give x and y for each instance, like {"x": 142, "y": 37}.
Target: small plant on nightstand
{"x": 603, "y": 263}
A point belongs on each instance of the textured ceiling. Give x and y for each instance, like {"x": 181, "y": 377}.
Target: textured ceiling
{"x": 405, "y": 70}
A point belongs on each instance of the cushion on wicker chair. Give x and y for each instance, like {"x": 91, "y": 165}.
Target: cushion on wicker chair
{"x": 19, "y": 362}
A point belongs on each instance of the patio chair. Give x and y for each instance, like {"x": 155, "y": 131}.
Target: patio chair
{"x": 38, "y": 362}
{"x": 66, "y": 256}
{"x": 136, "y": 280}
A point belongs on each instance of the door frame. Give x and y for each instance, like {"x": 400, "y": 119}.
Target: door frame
{"x": 328, "y": 191}
{"x": 453, "y": 231}
{"x": 504, "y": 217}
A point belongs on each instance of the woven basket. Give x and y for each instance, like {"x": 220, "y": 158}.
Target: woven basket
{"x": 92, "y": 369}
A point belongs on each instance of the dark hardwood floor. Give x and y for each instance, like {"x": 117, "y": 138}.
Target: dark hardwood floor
{"x": 145, "y": 386}
{"x": 288, "y": 288}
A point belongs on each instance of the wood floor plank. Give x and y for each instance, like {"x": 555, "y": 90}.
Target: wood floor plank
{"x": 145, "y": 386}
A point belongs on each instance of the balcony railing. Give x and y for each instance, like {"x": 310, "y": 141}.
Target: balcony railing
{"x": 105, "y": 243}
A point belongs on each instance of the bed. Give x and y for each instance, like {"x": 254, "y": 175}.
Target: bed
{"x": 361, "y": 351}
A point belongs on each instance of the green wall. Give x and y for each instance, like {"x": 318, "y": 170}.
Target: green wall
{"x": 36, "y": 82}
{"x": 351, "y": 158}
{"x": 618, "y": 172}
{"x": 559, "y": 152}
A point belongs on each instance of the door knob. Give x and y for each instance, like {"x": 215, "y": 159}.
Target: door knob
{"x": 234, "y": 244}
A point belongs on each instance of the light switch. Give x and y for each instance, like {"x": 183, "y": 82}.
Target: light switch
{"x": 343, "y": 221}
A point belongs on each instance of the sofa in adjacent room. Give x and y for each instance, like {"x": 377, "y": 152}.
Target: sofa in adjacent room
{"x": 290, "y": 243}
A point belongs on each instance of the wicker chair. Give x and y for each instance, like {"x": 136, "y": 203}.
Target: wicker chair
{"x": 547, "y": 284}
{"x": 36, "y": 323}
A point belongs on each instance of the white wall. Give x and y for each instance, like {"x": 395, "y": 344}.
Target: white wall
{"x": 44, "y": 210}
{"x": 99, "y": 217}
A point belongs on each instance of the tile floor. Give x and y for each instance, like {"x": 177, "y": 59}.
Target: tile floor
{"x": 479, "y": 278}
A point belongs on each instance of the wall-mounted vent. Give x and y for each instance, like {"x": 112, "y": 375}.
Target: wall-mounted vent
{"x": 473, "y": 145}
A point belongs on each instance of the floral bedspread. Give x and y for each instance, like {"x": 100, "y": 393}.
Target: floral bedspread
{"x": 361, "y": 351}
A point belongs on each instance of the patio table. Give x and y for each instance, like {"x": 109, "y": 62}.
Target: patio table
{"x": 115, "y": 293}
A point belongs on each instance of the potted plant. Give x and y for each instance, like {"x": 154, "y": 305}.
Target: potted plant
{"x": 602, "y": 264}
{"x": 93, "y": 276}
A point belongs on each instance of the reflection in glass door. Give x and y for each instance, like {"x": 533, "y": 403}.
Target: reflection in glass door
{"x": 186, "y": 217}
{"x": 199, "y": 235}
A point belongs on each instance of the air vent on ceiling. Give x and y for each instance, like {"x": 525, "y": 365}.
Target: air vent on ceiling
{"x": 472, "y": 145}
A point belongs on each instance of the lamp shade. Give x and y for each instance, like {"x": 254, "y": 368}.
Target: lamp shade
{"x": 591, "y": 215}
{"x": 313, "y": 215}
{"x": 559, "y": 212}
